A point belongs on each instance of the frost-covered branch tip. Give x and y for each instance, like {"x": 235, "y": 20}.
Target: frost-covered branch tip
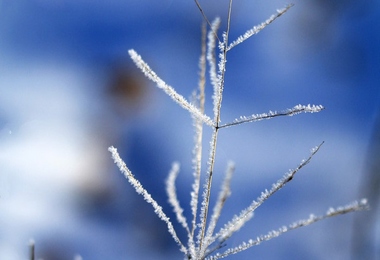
{"x": 271, "y": 114}
{"x": 172, "y": 195}
{"x": 179, "y": 99}
{"x": 256, "y": 29}
{"x": 352, "y": 207}
{"x": 211, "y": 45}
{"x": 245, "y": 214}
{"x": 147, "y": 197}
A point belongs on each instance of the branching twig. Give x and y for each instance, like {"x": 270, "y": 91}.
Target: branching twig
{"x": 206, "y": 241}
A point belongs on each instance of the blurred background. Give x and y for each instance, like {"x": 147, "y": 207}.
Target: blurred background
{"x": 68, "y": 91}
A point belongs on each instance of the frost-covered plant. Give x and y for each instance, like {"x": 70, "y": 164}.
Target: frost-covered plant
{"x": 203, "y": 242}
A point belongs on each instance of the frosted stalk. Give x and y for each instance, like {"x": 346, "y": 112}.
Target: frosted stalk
{"x": 179, "y": 99}
{"x": 147, "y": 197}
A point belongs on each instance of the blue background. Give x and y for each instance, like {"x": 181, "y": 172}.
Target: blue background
{"x": 68, "y": 91}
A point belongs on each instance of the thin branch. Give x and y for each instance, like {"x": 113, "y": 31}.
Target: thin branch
{"x": 218, "y": 102}
{"x": 147, "y": 197}
{"x": 179, "y": 99}
{"x": 236, "y": 228}
{"x": 205, "y": 17}
{"x": 271, "y": 114}
{"x": 218, "y": 93}
{"x": 172, "y": 196}
{"x": 202, "y": 72}
{"x": 258, "y": 28}
{"x": 207, "y": 189}
{"x": 229, "y": 228}
{"x": 211, "y": 45}
{"x": 352, "y": 207}
{"x": 225, "y": 192}
{"x": 197, "y": 150}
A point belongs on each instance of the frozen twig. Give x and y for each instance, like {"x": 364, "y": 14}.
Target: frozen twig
{"x": 207, "y": 242}
{"x": 258, "y": 28}
{"x": 179, "y": 99}
{"x": 147, "y": 197}
{"x": 271, "y": 114}
{"x": 230, "y": 228}
{"x": 352, "y": 207}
